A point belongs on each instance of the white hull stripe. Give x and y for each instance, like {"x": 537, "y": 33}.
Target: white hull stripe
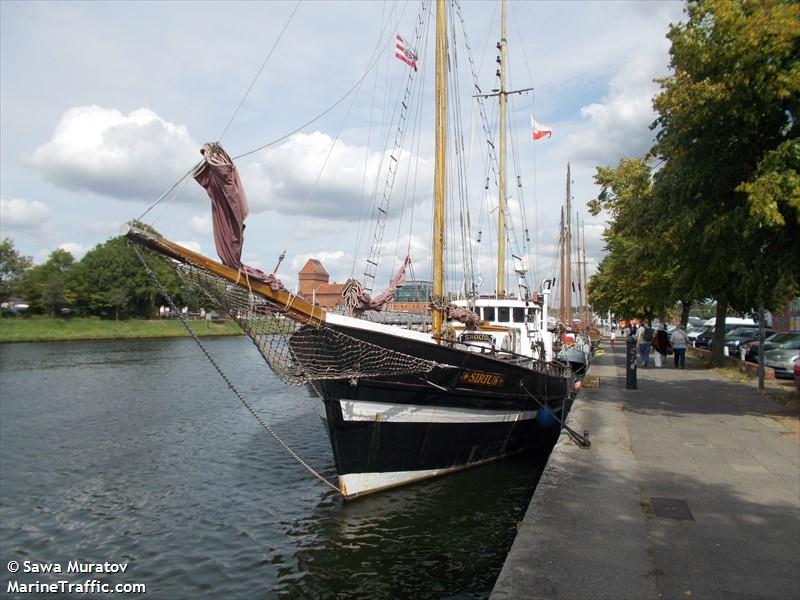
{"x": 356, "y": 484}
{"x": 409, "y": 413}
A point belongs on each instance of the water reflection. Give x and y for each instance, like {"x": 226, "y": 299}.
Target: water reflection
{"x": 137, "y": 452}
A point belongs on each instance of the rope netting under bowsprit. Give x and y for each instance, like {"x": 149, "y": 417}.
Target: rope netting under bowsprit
{"x": 298, "y": 353}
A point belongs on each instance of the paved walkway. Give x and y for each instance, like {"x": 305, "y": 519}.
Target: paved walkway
{"x": 595, "y": 527}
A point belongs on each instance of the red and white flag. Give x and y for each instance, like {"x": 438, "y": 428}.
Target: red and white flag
{"x": 539, "y": 130}
{"x": 404, "y": 53}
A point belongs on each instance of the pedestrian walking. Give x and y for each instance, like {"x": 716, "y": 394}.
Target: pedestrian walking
{"x": 660, "y": 344}
{"x": 644, "y": 337}
{"x": 679, "y": 343}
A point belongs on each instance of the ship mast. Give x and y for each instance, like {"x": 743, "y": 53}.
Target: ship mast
{"x": 586, "y": 312}
{"x": 439, "y": 165}
{"x": 502, "y": 93}
{"x": 501, "y": 207}
{"x": 566, "y": 265}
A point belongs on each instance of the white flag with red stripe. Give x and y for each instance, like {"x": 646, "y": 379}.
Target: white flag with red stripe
{"x": 539, "y": 130}
{"x": 404, "y": 53}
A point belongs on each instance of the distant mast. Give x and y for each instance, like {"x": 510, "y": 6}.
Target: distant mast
{"x": 439, "y": 165}
{"x": 566, "y": 259}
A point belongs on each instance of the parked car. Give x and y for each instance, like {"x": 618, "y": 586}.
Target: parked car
{"x": 693, "y": 332}
{"x": 770, "y": 343}
{"x": 736, "y": 338}
{"x": 782, "y": 358}
{"x": 705, "y": 339}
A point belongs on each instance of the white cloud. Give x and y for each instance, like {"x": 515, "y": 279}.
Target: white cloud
{"x": 201, "y": 224}
{"x": 191, "y": 245}
{"x": 102, "y": 227}
{"x": 101, "y": 150}
{"x": 77, "y": 250}
{"x": 303, "y": 176}
{"x": 18, "y": 214}
{"x": 619, "y": 125}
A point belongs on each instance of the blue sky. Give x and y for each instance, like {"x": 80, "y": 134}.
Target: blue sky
{"x": 104, "y": 105}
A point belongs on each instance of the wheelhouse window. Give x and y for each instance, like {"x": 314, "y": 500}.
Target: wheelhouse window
{"x": 503, "y": 314}
{"x": 519, "y": 314}
{"x": 488, "y": 313}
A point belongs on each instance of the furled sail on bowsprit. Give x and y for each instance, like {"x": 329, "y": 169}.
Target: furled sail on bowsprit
{"x": 220, "y": 178}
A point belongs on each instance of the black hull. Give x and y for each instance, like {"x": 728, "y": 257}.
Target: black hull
{"x": 469, "y": 410}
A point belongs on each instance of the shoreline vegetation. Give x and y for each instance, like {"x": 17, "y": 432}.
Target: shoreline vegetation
{"x": 46, "y": 329}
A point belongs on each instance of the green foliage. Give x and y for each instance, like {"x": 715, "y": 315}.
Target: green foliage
{"x": 729, "y": 124}
{"x": 12, "y": 267}
{"x": 52, "y": 285}
{"x": 727, "y": 190}
{"x": 635, "y": 278}
{"x": 113, "y": 280}
{"x": 110, "y": 280}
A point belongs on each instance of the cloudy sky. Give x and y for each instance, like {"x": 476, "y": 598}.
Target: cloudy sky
{"x": 104, "y": 105}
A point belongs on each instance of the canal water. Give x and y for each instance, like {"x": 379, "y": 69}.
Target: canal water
{"x": 136, "y": 452}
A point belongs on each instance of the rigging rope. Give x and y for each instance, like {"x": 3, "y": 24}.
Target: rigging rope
{"x": 371, "y": 268}
{"x": 258, "y": 74}
{"x": 354, "y": 87}
{"x": 227, "y": 380}
{"x": 172, "y": 187}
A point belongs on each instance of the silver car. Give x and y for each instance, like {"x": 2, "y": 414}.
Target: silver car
{"x": 782, "y": 358}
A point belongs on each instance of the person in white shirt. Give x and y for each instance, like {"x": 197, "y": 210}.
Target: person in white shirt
{"x": 679, "y": 343}
{"x": 644, "y": 336}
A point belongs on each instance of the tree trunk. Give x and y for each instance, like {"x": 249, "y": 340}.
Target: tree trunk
{"x": 686, "y": 306}
{"x": 717, "y": 356}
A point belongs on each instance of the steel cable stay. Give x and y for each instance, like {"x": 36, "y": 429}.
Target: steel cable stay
{"x": 258, "y": 74}
{"x": 185, "y": 176}
{"x": 383, "y": 142}
{"x": 468, "y": 271}
{"x": 536, "y": 265}
{"x": 362, "y": 192}
{"x": 370, "y": 66}
{"x": 382, "y": 206}
{"x": 581, "y": 441}
{"x": 227, "y": 379}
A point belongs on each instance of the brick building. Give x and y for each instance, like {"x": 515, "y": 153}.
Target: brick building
{"x": 313, "y": 285}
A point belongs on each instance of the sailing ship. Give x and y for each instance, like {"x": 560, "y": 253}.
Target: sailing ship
{"x": 399, "y": 404}
{"x": 573, "y": 334}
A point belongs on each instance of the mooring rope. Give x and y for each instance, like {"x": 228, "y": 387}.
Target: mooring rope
{"x": 580, "y": 440}
{"x": 227, "y": 380}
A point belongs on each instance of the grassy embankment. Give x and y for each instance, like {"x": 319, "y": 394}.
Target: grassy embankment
{"x": 45, "y": 329}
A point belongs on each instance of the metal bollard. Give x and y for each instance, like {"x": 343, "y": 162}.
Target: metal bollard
{"x": 630, "y": 363}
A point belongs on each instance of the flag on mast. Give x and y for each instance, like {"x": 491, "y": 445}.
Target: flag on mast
{"x": 539, "y": 130}
{"x": 404, "y": 53}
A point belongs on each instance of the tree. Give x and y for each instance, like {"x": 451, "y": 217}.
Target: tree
{"x": 118, "y": 298}
{"x": 726, "y": 193}
{"x": 112, "y": 271}
{"x": 12, "y": 268}
{"x": 52, "y": 285}
{"x": 636, "y": 277}
{"x": 729, "y": 124}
